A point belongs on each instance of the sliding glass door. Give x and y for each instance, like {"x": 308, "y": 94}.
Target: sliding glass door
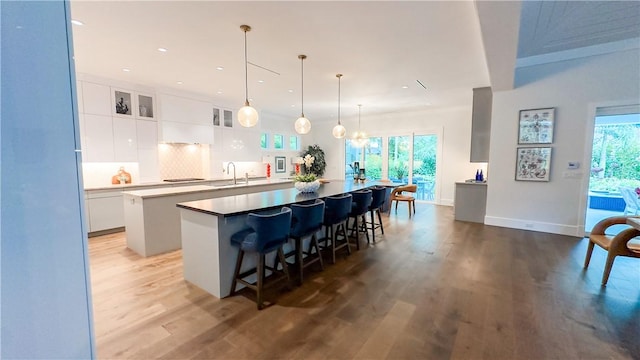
{"x": 425, "y": 148}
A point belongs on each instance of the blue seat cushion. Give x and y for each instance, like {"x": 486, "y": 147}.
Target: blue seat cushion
{"x": 245, "y": 239}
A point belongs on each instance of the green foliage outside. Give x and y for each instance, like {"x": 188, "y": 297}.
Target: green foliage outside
{"x": 615, "y": 159}
{"x": 373, "y": 167}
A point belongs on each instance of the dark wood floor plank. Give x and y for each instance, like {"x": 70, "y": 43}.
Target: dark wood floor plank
{"x": 430, "y": 288}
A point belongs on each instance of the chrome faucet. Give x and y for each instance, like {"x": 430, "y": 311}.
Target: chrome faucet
{"x": 234, "y": 171}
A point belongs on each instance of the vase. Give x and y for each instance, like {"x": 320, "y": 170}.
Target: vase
{"x": 307, "y": 187}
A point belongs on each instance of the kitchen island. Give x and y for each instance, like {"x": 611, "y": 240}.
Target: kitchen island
{"x": 207, "y": 226}
{"x": 152, "y": 221}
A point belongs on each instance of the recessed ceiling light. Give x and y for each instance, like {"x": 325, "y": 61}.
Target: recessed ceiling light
{"x": 125, "y": 70}
{"x": 293, "y": 105}
{"x": 219, "y": 92}
{"x": 219, "y": 68}
{"x": 179, "y": 82}
{"x": 161, "y": 49}
{"x": 77, "y": 22}
{"x": 250, "y": 99}
{"x": 405, "y": 87}
{"x": 261, "y": 81}
{"x": 290, "y": 90}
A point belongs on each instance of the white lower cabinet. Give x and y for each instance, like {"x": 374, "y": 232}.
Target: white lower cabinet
{"x": 105, "y": 210}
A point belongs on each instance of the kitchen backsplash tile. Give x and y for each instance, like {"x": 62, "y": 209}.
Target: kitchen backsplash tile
{"x": 183, "y": 161}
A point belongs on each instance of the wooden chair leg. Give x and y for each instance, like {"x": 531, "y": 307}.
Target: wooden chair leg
{"x": 346, "y": 238}
{"x": 285, "y": 268}
{"x": 260, "y": 282}
{"x": 333, "y": 243}
{"x": 314, "y": 243}
{"x": 236, "y": 272}
{"x": 373, "y": 227}
{"x": 413, "y": 202}
{"x": 380, "y": 220}
{"x": 587, "y": 258}
{"x": 299, "y": 256}
{"x": 409, "y": 203}
{"x": 607, "y": 268}
{"x": 364, "y": 226}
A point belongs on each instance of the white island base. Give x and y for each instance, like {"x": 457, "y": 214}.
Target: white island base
{"x": 209, "y": 258}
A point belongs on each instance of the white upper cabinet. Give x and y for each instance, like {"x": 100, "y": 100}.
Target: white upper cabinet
{"x": 96, "y": 99}
{"x": 98, "y": 136}
{"x": 180, "y": 109}
{"x": 147, "y": 133}
{"x": 125, "y": 141}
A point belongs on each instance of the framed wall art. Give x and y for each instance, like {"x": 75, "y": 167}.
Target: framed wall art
{"x": 533, "y": 163}
{"x": 281, "y": 165}
{"x": 536, "y": 126}
{"x": 122, "y": 104}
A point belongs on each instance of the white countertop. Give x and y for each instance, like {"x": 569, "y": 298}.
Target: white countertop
{"x": 157, "y": 184}
{"x": 174, "y": 190}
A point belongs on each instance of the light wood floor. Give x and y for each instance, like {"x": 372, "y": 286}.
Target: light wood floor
{"x": 431, "y": 288}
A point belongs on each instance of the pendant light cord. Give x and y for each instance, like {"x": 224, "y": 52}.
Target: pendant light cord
{"x": 302, "y": 92}
{"x": 246, "y": 81}
{"x": 339, "y": 99}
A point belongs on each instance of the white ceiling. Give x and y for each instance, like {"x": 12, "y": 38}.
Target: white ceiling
{"x": 378, "y": 46}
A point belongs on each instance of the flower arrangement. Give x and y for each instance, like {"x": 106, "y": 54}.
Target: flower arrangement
{"x": 638, "y": 191}
{"x": 313, "y": 159}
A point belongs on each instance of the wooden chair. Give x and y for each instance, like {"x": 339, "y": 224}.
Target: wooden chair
{"x": 622, "y": 244}
{"x": 398, "y": 195}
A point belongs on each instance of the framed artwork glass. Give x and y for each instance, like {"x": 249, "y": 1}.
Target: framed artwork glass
{"x": 145, "y": 107}
{"x": 536, "y": 126}
{"x": 216, "y": 117}
{"x": 533, "y": 163}
{"x": 122, "y": 104}
{"x": 281, "y": 165}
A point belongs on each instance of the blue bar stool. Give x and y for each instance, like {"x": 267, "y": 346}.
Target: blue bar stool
{"x": 266, "y": 234}
{"x": 378, "y": 194}
{"x": 306, "y": 220}
{"x": 336, "y": 214}
{"x": 359, "y": 207}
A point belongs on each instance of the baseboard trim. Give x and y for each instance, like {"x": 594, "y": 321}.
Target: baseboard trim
{"x": 562, "y": 229}
{"x": 105, "y": 232}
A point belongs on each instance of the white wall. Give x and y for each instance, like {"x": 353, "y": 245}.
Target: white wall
{"x": 453, "y": 123}
{"x": 574, "y": 88}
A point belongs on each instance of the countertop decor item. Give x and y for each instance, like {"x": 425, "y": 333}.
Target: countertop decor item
{"x": 122, "y": 177}
{"x": 307, "y": 183}
{"x": 247, "y": 116}
{"x": 302, "y": 125}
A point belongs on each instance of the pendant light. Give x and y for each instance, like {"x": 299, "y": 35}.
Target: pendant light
{"x": 339, "y": 131}
{"x": 302, "y": 125}
{"x": 359, "y": 138}
{"x": 247, "y": 116}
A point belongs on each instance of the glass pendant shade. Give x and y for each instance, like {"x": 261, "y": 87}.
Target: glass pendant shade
{"x": 302, "y": 125}
{"x": 339, "y": 131}
{"x": 247, "y": 116}
{"x": 359, "y": 138}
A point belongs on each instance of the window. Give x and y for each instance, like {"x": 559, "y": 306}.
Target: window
{"x": 373, "y": 159}
{"x": 293, "y": 142}
{"x": 398, "y": 154}
{"x": 264, "y": 141}
{"x": 352, "y": 154}
{"x": 278, "y": 141}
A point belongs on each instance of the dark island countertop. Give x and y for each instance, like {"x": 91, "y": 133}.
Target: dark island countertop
{"x": 267, "y": 200}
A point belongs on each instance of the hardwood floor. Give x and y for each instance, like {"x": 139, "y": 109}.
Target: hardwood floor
{"x": 431, "y": 288}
